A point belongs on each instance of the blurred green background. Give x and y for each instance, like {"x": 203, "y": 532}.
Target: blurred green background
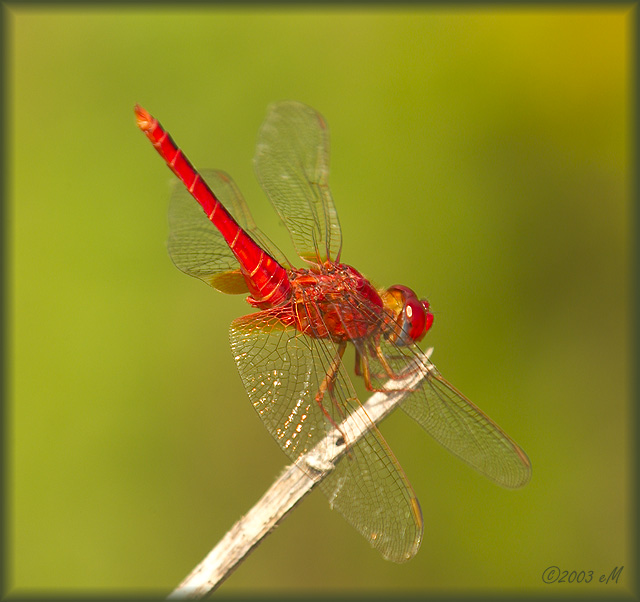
{"x": 480, "y": 156}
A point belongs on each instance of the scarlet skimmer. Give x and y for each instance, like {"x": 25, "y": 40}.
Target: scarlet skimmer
{"x": 289, "y": 353}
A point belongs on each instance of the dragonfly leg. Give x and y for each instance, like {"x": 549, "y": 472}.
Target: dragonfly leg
{"x": 358, "y": 364}
{"x": 363, "y": 367}
{"x": 388, "y": 370}
{"x": 326, "y": 386}
{"x": 362, "y": 364}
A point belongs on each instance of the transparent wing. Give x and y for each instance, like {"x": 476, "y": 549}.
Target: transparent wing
{"x": 282, "y": 371}
{"x": 453, "y": 421}
{"x": 195, "y": 245}
{"x": 292, "y": 165}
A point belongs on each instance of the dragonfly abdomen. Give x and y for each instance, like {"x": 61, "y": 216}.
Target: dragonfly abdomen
{"x": 267, "y": 280}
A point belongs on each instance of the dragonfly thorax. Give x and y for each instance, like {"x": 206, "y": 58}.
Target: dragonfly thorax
{"x": 335, "y": 302}
{"x": 411, "y": 316}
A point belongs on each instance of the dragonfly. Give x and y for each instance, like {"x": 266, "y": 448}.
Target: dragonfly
{"x": 289, "y": 352}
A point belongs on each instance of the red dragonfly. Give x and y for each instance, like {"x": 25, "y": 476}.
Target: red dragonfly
{"x": 289, "y": 353}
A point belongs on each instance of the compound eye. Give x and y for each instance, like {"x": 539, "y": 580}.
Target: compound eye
{"x": 414, "y": 320}
{"x": 413, "y": 317}
{"x": 428, "y": 316}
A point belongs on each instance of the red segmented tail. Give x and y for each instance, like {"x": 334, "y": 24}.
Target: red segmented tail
{"x": 267, "y": 280}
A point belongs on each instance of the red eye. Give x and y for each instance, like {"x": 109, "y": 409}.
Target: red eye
{"x": 428, "y": 316}
{"x": 414, "y": 319}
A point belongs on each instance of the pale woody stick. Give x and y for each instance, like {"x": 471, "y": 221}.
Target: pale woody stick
{"x": 289, "y": 489}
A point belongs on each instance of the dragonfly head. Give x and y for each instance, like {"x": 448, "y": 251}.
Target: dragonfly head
{"x": 411, "y": 315}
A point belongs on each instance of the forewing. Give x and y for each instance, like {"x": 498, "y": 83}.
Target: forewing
{"x": 456, "y": 423}
{"x": 195, "y": 245}
{"x": 282, "y": 371}
{"x": 292, "y": 165}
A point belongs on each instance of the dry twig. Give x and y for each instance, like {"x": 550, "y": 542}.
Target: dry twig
{"x": 288, "y": 490}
